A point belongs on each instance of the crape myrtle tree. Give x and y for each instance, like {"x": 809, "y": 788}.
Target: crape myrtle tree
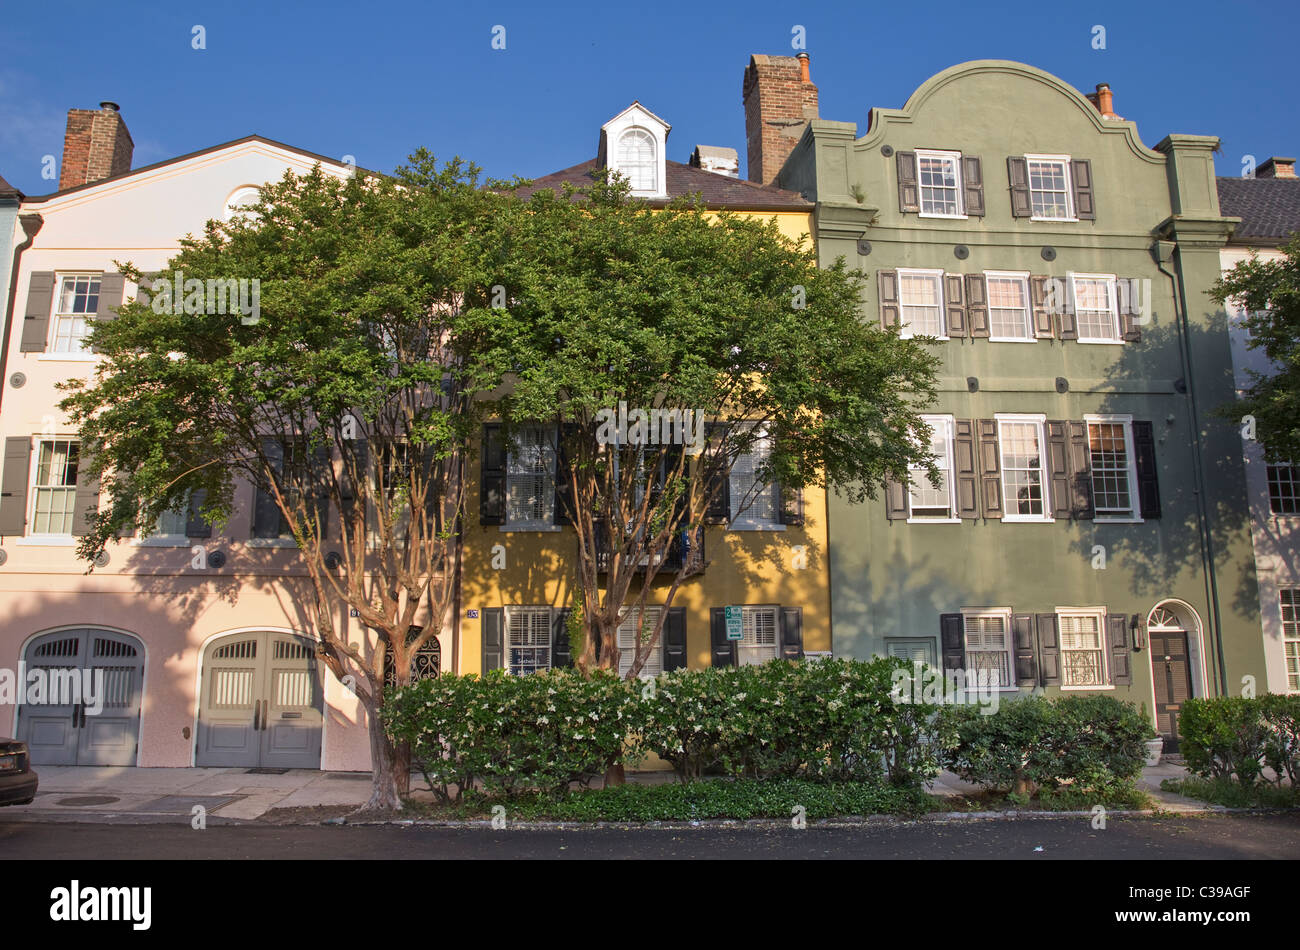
{"x": 722, "y": 339}
{"x": 342, "y": 398}
{"x": 1269, "y": 292}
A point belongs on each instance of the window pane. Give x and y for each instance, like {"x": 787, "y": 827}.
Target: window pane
{"x": 938, "y": 180}
{"x": 1111, "y": 490}
{"x": 55, "y": 488}
{"x": 1291, "y": 636}
{"x": 753, "y": 502}
{"x": 1022, "y": 468}
{"x": 1082, "y": 663}
{"x": 1095, "y": 309}
{"x": 927, "y": 500}
{"x": 758, "y": 624}
{"x": 636, "y": 159}
{"x": 922, "y": 304}
{"x": 1283, "y": 489}
{"x": 1009, "y": 308}
{"x": 1048, "y": 187}
{"x": 627, "y": 631}
{"x": 988, "y": 646}
{"x": 528, "y": 639}
{"x": 529, "y": 490}
{"x": 78, "y": 301}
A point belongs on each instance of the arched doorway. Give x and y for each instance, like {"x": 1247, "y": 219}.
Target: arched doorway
{"x": 81, "y": 694}
{"x": 261, "y": 702}
{"x": 1177, "y": 671}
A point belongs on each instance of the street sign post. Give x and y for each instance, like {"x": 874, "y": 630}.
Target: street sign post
{"x": 735, "y": 627}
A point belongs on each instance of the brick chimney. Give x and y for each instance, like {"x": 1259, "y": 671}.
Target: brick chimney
{"x": 96, "y": 145}
{"x": 1276, "y": 167}
{"x": 1104, "y": 100}
{"x": 780, "y": 98}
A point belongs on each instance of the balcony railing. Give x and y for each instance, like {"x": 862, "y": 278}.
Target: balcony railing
{"x": 683, "y": 549}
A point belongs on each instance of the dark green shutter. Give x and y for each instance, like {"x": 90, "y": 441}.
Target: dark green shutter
{"x": 195, "y": 525}
{"x": 1144, "y": 448}
{"x": 887, "y": 289}
{"x": 111, "y": 289}
{"x": 972, "y": 175}
{"x": 1080, "y": 471}
{"x": 1121, "y": 670}
{"x": 563, "y": 488}
{"x": 1018, "y": 178}
{"x": 724, "y": 650}
{"x": 718, "y": 510}
{"x": 674, "y": 637}
{"x": 13, "y": 485}
{"x": 977, "y": 306}
{"x": 36, "y": 318}
{"x": 964, "y": 465}
{"x": 86, "y": 498}
{"x": 791, "y": 632}
{"x": 492, "y": 476}
{"x": 1049, "y": 649}
{"x": 1085, "y": 206}
{"x": 494, "y": 638}
{"x": 990, "y": 469}
{"x": 1022, "y": 626}
{"x": 561, "y": 655}
{"x": 952, "y": 639}
{"x": 909, "y": 194}
{"x": 954, "y": 300}
{"x": 1058, "y": 469}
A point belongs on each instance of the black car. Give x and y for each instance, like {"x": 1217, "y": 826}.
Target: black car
{"x": 17, "y": 779}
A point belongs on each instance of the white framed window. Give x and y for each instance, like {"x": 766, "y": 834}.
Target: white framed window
{"x": 920, "y": 301}
{"x": 1083, "y": 648}
{"x": 988, "y": 644}
{"x": 530, "y": 479}
{"x": 1051, "y": 196}
{"x": 1284, "y": 489}
{"x": 935, "y": 502}
{"x": 54, "y": 487}
{"x": 758, "y": 624}
{"x": 1290, "y": 601}
{"x": 75, "y": 305}
{"x": 1009, "y": 313}
{"x": 1024, "y": 485}
{"x": 1096, "y": 307}
{"x": 1114, "y": 468}
{"x": 755, "y": 505}
{"x": 939, "y": 179}
{"x": 912, "y": 649}
{"x": 627, "y": 630}
{"x": 528, "y": 639}
{"x": 637, "y": 159}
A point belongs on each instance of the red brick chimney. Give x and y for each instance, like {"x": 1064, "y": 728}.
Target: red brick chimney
{"x": 780, "y": 98}
{"x": 1104, "y": 100}
{"x": 1276, "y": 167}
{"x": 96, "y": 145}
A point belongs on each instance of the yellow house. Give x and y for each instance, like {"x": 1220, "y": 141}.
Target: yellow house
{"x": 520, "y": 566}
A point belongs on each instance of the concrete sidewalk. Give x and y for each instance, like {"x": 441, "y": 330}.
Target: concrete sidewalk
{"x": 84, "y": 793}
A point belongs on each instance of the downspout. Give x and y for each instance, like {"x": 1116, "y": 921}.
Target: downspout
{"x": 1206, "y": 537}
{"x": 31, "y": 226}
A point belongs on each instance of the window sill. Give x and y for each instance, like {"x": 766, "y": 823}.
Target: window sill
{"x": 924, "y": 336}
{"x": 752, "y": 526}
{"x": 48, "y": 541}
{"x": 1085, "y": 689}
{"x": 1103, "y": 342}
{"x": 1012, "y": 339}
{"x": 1027, "y": 519}
{"x": 911, "y": 520}
{"x": 165, "y": 541}
{"x": 67, "y": 357}
{"x": 943, "y": 217}
{"x": 1105, "y": 520}
{"x": 268, "y": 542}
{"x": 1054, "y": 220}
{"x": 543, "y": 528}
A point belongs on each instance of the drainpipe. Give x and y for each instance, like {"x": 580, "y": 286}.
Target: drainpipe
{"x": 31, "y": 225}
{"x": 1163, "y": 252}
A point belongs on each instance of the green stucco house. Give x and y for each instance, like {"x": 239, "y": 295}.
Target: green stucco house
{"x": 1090, "y": 531}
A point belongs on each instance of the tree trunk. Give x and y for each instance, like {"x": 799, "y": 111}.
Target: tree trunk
{"x": 383, "y": 763}
{"x": 614, "y": 775}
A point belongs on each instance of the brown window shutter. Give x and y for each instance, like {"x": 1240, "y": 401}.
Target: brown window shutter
{"x": 990, "y": 469}
{"x": 972, "y": 178}
{"x": 977, "y": 306}
{"x": 1022, "y": 626}
{"x": 968, "y": 492}
{"x": 1058, "y": 469}
{"x": 1018, "y": 177}
{"x": 952, "y": 638}
{"x": 1126, "y": 289}
{"x": 1121, "y": 670}
{"x": 895, "y": 500}
{"x": 1080, "y": 471}
{"x": 1038, "y": 304}
{"x": 1049, "y": 650}
{"x": 13, "y": 486}
{"x": 36, "y": 318}
{"x": 1067, "y": 326}
{"x": 86, "y": 497}
{"x": 887, "y": 288}
{"x": 909, "y": 194}
{"x": 1085, "y": 207}
{"x": 955, "y": 302}
{"x": 1144, "y": 450}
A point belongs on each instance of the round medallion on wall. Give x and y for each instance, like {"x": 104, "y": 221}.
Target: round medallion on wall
{"x": 1062, "y": 384}
{"x": 332, "y": 560}
{"x": 864, "y": 248}
{"x": 1049, "y": 253}
{"x": 102, "y": 559}
{"x": 887, "y": 150}
{"x": 217, "y": 559}
{"x": 972, "y": 384}
{"x": 4, "y": 555}
{"x": 18, "y": 380}
{"x": 961, "y": 252}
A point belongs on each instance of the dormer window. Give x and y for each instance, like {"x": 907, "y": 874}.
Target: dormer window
{"x": 636, "y": 159}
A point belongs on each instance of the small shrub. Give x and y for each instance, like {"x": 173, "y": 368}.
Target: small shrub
{"x": 1282, "y": 742}
{"x": 1224, "y": 737}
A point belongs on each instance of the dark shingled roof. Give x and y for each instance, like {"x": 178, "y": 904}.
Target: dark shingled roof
{"x": 717, "y": 191}
{"x": 8, "y": 191}
{"x": 1269, "y": 208}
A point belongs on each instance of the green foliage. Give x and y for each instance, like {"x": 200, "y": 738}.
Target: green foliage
{"x": 1234, "y": 737}
{"x": 1089, "y": 742}
{"x": 1230, "y": 793}
{"x": 1269, "y": 291}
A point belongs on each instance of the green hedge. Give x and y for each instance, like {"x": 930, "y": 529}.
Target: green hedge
{"x": 1084, "y": 741}
{"x": 1234, "y": 737}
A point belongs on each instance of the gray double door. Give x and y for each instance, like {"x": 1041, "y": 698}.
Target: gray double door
{"x": 86, "y": 708}
{"x": 262, "y": 702}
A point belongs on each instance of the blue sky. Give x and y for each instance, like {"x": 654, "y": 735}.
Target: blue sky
{"x": 376, "y": 80}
